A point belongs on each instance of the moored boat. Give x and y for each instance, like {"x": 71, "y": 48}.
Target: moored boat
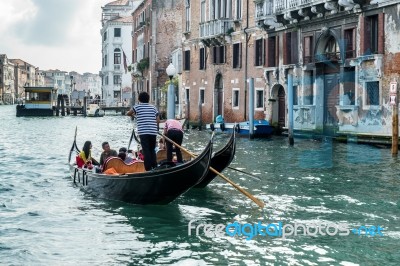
{"x": 38, "y": 101}
{"x": 152, "y": 187}
{"x": 94, "y": 110}
{"x": 262, "y": 129}
{"x": 220, "y": 160}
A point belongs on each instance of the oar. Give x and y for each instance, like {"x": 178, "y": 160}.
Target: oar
{"x": 240, "y": 171}
{"x": 243, "y": 191}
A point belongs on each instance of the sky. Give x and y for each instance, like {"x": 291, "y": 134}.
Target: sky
{"x": 53, "y": 34}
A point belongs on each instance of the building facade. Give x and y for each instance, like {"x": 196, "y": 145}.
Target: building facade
{"x": 7, "y": 79}
{"x": 156, "y": 42}
{"x": 116, "y": 51}
{"x": 342, "y": 56}
{"x": 338, "y": 58}
{"x": 221, "y": 52}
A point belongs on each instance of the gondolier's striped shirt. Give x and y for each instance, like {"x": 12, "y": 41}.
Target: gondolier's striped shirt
{"x": 146, "y": 115}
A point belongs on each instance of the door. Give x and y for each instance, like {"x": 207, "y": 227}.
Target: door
{"x": 281, "y": 107}
{"x": 218, "y": 96}
{"x": 331, "y": 99}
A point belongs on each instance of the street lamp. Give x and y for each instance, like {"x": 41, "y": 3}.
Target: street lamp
{"x": 171, "y": 71}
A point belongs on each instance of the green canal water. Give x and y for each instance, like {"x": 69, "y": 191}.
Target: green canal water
{"x": 46, "y": 220}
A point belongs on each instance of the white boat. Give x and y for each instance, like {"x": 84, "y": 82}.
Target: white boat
{"x": 94, "y": 110}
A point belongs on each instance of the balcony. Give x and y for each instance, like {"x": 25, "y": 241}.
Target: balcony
{"x": 215, "y": 28}
{"x": 282, "y": 12}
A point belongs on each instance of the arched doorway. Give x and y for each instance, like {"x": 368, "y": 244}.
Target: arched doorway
{"x": 328, "y": 72}
{"x": 218, "y": 96}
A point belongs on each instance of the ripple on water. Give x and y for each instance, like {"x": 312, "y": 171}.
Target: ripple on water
{"x": 46, "y": 220}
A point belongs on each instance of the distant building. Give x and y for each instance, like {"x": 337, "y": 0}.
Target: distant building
{"x": 116, "y": 51}
{"x": 24, "y": 74}
{"x": 7, "y": 89}
{"x": 57, "y": 79}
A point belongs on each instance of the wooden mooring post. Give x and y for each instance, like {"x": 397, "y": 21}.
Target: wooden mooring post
{"x": 395, "y": 118}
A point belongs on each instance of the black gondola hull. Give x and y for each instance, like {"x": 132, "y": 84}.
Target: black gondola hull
{"x": 220, "y": 161}
{"x": 152, "y": 187}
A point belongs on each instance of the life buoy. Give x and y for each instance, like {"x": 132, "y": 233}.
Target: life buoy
{"x": 212, "y": 127}
{"x": 222, "y": 126}
{"x": 237, "y": 128}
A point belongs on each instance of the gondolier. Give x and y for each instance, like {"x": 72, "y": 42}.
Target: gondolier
{"x": 147, "y": 124}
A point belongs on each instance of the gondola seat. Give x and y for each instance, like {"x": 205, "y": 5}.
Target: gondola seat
{"x": 123, "y": 168}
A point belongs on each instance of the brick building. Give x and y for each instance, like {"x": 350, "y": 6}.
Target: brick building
{"x": 221, "y": 51}
{"x": 156, "y": 41}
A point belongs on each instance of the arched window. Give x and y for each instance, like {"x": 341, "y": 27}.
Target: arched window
{"x": 117, "y": 56}
{"x": 332, "y": 49}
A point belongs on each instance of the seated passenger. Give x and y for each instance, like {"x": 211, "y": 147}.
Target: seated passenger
{"x": 122, "y": 154}
{"x": 108, "y": 152}
{"x": 86, "y": 155}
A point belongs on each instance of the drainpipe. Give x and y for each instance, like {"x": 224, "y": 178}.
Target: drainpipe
{"x": 246, "y": 59}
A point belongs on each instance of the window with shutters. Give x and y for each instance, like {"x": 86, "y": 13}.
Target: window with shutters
{"x": 371, "y": 34}
{"x": 117, "y": 56}
{"x": 219, "y": 54}
{"x": 259, "y": 52}
{"x": 259, "y": 99}
{"x": 291, "y": 48}
{"x": 272, "y": 52}
{"x": 308, "y": 88}
{"x": 187, "y": 15}
{"x": 237, "y": 55}
{"x": 202, "y": 58}
{"x": 203, "y": 11}
{"x": 117, "y": 79}
{"x": 349, "y": 86}
{"x": 295, "y": 95}
{"x": 238, "y": 13}
{"x": 308, "y": 51}
{"x": 350, "y": 43}
{"x": 187, "y": 60}
{"x": 372, "y": 93}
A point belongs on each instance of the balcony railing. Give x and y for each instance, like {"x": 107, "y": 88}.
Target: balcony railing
{"x": 214, "y": 28}
{"x": 327, "y": 57}
{"x": 284, "y": 5}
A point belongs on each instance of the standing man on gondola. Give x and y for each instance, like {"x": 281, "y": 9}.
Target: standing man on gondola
{"x": 173, "y": 130}
{"x": 147, "y": 125}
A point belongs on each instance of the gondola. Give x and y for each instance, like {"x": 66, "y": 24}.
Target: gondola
{"x": 152, "y": 187}
{"x": 220, "y": 160}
